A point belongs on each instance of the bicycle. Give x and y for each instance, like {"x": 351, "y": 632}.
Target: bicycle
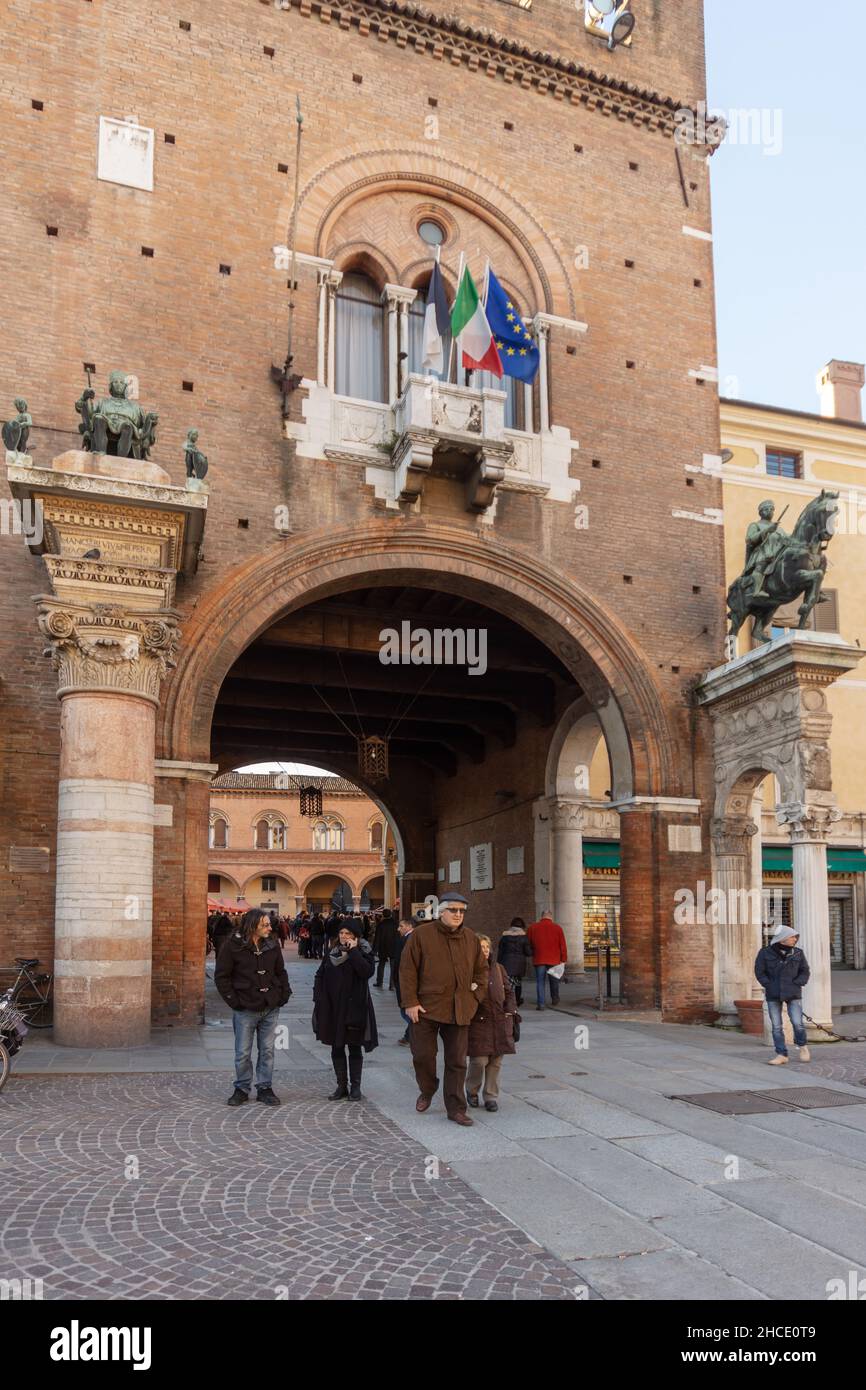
{"x": 31, "y": 993}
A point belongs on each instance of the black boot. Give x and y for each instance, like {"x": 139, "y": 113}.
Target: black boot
{"x": 356, "y": 1066}
{"x": 341, "y": 1072}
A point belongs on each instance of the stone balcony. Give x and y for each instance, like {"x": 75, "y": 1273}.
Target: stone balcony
{"x": 436, "y": 428}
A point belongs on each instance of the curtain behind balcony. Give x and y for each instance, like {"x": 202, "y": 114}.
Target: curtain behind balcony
{"x": 360, "y": 340}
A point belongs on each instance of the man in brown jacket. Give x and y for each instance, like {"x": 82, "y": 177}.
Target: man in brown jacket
{"x": 443, "y": 974}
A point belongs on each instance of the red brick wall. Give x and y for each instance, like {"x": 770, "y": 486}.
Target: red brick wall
{"x": 89, "y": 294}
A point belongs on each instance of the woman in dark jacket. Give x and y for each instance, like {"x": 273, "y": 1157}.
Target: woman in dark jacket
{"x": 491, "y": 1035}
{"x": 514, "y": 953}
{"x": 343, "y": 1014}
{"x": 222, "y": 927}
{"x": 782, "y": 969}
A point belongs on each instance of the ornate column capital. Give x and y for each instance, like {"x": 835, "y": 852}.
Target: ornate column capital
{"x": 105, "y": 647}
{"x": 808, "y": 822}
{"x": 398, "y": 296}
{"x": 333, "y": 279}
{"x": 732, "y": 834}
{"x": 567, "y": 815}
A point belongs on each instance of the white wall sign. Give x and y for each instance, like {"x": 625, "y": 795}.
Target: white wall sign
{"x": 125, "y": 154}
{"x": 454, "y": 871}
{"x": 481, "y": 866}
{"x": 514, "y": 860}
{"x": 440, "y": 875}
{"x": 684, "y": 839}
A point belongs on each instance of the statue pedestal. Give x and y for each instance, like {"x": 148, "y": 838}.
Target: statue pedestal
{"x": 769, "y": 715}
{"x": 114, "y": 534}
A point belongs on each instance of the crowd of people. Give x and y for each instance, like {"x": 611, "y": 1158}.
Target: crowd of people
{"x": 449, "y": 986}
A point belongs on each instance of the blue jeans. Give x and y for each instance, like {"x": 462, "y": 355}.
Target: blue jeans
{"x": 248, "y": 1024}
{"x": 540, "y": 977}
{"x": 795, "y": 1014}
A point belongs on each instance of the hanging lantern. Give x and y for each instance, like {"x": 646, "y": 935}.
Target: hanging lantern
{"x": 310, "y": 801}
{"x": 373, "y": 758}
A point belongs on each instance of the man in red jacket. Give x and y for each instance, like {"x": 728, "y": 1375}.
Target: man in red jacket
{"x": 547, "y": 940}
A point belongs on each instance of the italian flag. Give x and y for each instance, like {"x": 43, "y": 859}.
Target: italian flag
{"x": 470, "y": 327}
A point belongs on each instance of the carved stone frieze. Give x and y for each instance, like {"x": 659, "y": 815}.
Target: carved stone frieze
{"x": 106, "y": 647}
{"x": 567, "y": 815}
{"x": 87, "y": 581}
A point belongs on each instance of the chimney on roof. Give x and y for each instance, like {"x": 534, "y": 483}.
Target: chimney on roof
{"x": 839, "y": 386}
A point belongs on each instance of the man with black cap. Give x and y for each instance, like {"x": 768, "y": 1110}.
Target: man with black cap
{"x": 443, "y": 974}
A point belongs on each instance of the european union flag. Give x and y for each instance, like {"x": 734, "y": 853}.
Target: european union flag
{"x": 517, "y": 350}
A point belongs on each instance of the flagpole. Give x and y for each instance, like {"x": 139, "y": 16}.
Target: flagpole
{"x": 453, "y": 339}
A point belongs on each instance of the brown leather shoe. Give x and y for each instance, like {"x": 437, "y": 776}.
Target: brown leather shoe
{"x": 461, "y": 1118}
{"x": 422, "y": 1104}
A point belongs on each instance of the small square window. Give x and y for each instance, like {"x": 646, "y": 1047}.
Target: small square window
{"x": 147, "y": 251}
{"x": 187, "y": 385}
{"x": 38, "y": 105}
{"x": 268, "y": 52}
{"x": 784, "y": 463}
{"x": 282, "y": 168}
{"x": 225, "y": 270}
{"x": 169, "y": 139}
{"x": 51, "y": 231}
{"x": 185, "y": 25}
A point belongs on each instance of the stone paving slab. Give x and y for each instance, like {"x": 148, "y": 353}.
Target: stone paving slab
{"x": 830, "y": 1135}
{"x": 642, "y": 1189}
{"x": 150, "y": 1187}
{"x": 828, "y": 1175}
{"x": 559, "y": 1214}
{"x": 690, "y": 1158}
{"x": 680, "y": 1274}
{"x": 777, "y": 1263}
{"x": 587, "y": 1112}
{"x": 826, "y": 1220}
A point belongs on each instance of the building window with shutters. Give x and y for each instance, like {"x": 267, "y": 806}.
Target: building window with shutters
{"x": 218, "y": 833}
{"x": 269, "y": 883}
{"x": 329, "y": 834}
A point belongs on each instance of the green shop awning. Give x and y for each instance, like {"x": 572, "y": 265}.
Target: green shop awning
{"x": 601, "y": 854}
{"x": 777, "y": 859}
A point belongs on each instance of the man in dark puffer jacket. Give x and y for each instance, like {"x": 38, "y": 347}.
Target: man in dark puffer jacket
{"x": 782, "y": 970}
{"x": 251, "y": 977}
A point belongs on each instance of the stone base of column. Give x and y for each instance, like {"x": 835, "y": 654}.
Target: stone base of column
{"x": 102, "y": 1013}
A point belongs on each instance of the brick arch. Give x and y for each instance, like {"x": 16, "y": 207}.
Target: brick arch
{"x": 604, "y": 659}
{"x": 270, "y": 873}
{"x": 362, "y": 258}
{"x": 370, "y": 878}
{"x": 326, "y": 873}
{"x": 359, "y": 174}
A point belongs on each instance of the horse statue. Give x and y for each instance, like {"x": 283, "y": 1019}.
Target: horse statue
{"x": 779, "y": 566}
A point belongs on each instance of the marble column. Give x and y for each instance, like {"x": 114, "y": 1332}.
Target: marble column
{"x": 322, "y": 330}
{"x": 390, "y": 301}
{"x": 543, "y": 331}
{"x": 809, "y": 825}
{"x": 567, "y": 845}
{"x": 333, "y": 279}
{"x": 736, "y": 913}
{"x": 110, "y": 663}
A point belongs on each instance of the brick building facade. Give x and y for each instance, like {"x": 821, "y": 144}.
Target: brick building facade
{"x": 572, "y": 521}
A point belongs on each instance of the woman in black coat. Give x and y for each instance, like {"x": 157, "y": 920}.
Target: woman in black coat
{"x": 343, "y": 1014}
{"x": 514, "y": 953}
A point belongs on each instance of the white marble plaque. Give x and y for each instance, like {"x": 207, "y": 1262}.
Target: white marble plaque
{"x": 163, "y": 814}
{"x": 481, "y": 866}
{"x": 454, "y": 871}
{"x": 125, "y": 154}
{"x": 440, "y": 875}
{"x": 514, "y": 860}
{"x": 684, "y": 839}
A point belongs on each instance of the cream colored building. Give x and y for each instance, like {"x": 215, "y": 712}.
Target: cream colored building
{"x": 261, "y": 849}
{"x": 787, "y": 457}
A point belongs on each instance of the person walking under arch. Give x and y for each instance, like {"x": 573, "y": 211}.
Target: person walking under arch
{"x": 514, "y": 953}
{"x": 443, "y": 974}
{"x": 547, "y": 940}
{"x": 491, "y": 1034}
{"x": 343, "y": 1015}
{"x": 252, "y": 979}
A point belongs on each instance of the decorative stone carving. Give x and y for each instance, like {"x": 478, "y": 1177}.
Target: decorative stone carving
{"x": 807, "y": 821}
{"x": 488, "y": 473}
{"x": 732, "y": 834}
{"x": 107, "y": 648}
{"x": 413, "y": 461}
{"x": 95, "y": 580}
{"x": 567, "y": 815}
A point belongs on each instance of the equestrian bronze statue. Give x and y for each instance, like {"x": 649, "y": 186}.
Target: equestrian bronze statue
{"x": 779, "y": 567}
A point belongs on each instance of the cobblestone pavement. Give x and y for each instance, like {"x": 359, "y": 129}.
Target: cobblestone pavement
{"x": 147, "y": 1186}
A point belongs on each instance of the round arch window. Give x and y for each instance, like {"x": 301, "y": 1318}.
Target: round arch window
{"x": 431, "y": 232}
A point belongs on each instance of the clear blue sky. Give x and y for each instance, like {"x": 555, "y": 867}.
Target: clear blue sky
{"x": 790, "y": 227}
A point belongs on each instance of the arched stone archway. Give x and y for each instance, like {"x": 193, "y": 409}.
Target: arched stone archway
{"x": 617, "y": 681}
{"x": 610, "y": 667}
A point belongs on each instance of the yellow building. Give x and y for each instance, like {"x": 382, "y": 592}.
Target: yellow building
{"x": 787, "y": 457}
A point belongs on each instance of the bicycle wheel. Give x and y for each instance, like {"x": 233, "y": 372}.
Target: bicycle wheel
{"x": 35, "y": 1004}
{"x": 5, "y": 1066}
